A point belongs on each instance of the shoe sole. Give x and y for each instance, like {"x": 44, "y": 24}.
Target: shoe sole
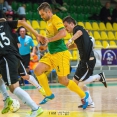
{"x": 6, "y": 110}
{"x": 40, "y": 113}
{"x": 103, "y": 77}
{"x": 89, "y": 106}
{"x": 46, "y": 100}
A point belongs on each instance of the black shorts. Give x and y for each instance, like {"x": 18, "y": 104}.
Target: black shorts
{"x": 26, "y": 60}
{"x": 22, "y": 70}
{"x": 84, "y": 70}
{"x": 9, "y": 68}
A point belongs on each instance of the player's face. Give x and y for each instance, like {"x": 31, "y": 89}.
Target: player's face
{"x": 22, "y": 32}
{"x": 68, "y": 27}
{"x": 44, "y": 15}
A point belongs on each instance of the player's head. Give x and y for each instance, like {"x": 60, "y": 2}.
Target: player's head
{"x": 9, "y": 18}
{"x": 22, "y": 32}
{"x": 69, "y": 23}
{"x": 45, "y": 11}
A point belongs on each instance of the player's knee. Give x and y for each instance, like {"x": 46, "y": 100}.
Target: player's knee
{"x": 64, "y": 81}
{"x": 26, "y": 77}
{"x": 13, "y": 86}
{"x": 11, "y": 89}
{"x": 37, "y": 72}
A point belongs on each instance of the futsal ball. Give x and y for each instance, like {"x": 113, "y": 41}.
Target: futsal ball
{"x": 15, "y": 106}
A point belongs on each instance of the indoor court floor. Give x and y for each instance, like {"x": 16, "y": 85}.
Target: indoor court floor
{"x": 66, "y": 102}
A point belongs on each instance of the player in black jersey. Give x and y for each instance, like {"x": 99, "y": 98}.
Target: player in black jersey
{"x": 9, "y": 63}
{"x": 83, "y": 43}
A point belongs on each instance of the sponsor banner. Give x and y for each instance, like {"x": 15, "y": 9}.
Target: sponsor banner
{"x": 109, "y": 56}
{"x": 98, "y": 56}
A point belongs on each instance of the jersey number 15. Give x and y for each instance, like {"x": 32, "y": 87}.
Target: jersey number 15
{"x": 5, "y": 40}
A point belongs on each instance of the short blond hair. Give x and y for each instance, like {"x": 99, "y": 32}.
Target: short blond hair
{"x": 44, "y": 6}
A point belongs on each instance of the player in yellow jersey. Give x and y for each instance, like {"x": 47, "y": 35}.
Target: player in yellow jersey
{"x": 58, "y": 57}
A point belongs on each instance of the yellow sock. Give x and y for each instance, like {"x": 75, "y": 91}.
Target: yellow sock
{"x": 43, "y": 80}
{"x": 75, "y": 88}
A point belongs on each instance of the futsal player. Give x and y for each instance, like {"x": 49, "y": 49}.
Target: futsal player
{"x": 9, "y": 62}
{"x": 58, "y": 57}
{"x": 83, "y": 43}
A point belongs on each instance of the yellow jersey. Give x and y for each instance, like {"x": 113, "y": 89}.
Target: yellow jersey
{"x": 52, "y": 28}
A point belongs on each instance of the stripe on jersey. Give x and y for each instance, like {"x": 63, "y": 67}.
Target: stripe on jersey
{"x": 84, "y": 74}
{"x": 23, "y": 67}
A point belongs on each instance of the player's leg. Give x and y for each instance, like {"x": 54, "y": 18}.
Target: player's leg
{"x": 90, "y": 78}
{"x": 22, "y": 72}
{"x": 9, "y": 66}
{"x": 82, "y": 73}
{"x": 6, "y": 98}
{"x": 98, "y": 77}
{"x": 91, "y": 104}
{"x": 63, "y": 69}
{"x": 26, "y": 99}
{"x": 43, "y": 80}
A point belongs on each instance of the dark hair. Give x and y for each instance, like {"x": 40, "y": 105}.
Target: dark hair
{"x": 45, "y": 6}
{"x": 69, "y": 19}
{"x": 9, "y": 16}
{"x": 22, "y": 17}
{"x": 18, "y": 30}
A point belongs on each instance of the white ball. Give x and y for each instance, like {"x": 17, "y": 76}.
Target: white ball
{"x": 15, "y": 106}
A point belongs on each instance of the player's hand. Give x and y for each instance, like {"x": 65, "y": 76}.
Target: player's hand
{"x": 41, "y": 39}
{"x": 68, "y": 44}
{"x": 47, "y": 41}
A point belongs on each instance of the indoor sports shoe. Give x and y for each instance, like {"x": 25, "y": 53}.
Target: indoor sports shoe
{"x": 42, "y": 91}
{"x": 85, "y": 101}
{"x": 36, "y": 113}
{"x": 102, "y": 79}
{"x": 91, "y": 105}
{"x": 47, "y": 98}
{"x": 7, "y": 103}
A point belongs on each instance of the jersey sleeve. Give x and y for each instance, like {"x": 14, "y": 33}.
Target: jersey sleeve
{"x": 76, "y": 29}
{"x": 12, "y": 24}
{"x": 58, "y": 23}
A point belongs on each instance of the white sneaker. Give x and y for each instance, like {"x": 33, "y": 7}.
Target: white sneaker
{"x": 35, "y": 113}
{"x": 90, "y": 105}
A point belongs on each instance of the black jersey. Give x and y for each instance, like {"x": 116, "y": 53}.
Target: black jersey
{"x": 84, "y": 44}
{"x": 7, "y": 40}
{"x": 15, "y": 41}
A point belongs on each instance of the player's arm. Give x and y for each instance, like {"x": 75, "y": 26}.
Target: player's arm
{"x": 61, "y": 34}
{"x": 19, "y": 45}
{"x": 33, "y": 50}
{"x": 74, "y": 37}
{"x": 30, "y": 29}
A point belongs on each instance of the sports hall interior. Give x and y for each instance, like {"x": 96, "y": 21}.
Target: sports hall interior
{"x": 66, "y": 102}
